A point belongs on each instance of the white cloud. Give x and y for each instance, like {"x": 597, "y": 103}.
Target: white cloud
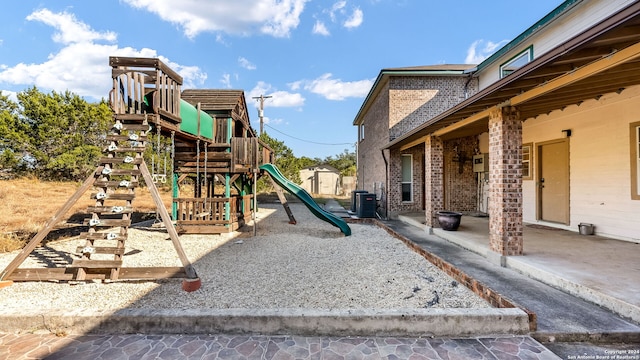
{"x": 320, "y": 28}
{"x": 338, "y": 13}
{"x": 81, "y": 66}
{"x": 337, "y": 8}
{"x": 268, "y": 120}
{"x": 336, "y": 89}
{"x": 241, "y": 17}
{"x": 355, "y": 19}
{"x": 226, "y": 80}
{"x": 246, "y": 63}
{"x": 69, "y": 29}
{"x": 12, "y": 95}
{"x": 278, "y": 98}
{"x": 480, "y": 50}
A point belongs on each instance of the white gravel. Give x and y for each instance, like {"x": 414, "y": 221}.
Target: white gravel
{"x": 308, "y": 265}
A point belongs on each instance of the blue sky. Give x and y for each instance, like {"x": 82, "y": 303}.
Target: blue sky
{"x": 316, "y": 58}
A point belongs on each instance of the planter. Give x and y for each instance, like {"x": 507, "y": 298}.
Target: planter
{"x": 449, "y": 220}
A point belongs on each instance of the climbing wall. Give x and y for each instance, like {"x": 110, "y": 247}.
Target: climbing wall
{"x": 118, "y": 176}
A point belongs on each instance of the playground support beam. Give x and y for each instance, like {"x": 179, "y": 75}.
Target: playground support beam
{"x": 192, "y": 282}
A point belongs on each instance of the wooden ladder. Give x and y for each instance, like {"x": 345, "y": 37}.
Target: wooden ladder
{"x": 115, "y": 179}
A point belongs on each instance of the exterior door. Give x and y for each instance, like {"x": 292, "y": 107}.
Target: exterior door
{"x": 553, "y": 181}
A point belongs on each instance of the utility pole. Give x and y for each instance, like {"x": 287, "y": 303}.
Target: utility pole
{"x": 261, "y": 110}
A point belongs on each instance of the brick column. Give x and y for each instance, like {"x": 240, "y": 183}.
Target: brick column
{"x": 433, "y": 179}
{"x": 505, "y": 182}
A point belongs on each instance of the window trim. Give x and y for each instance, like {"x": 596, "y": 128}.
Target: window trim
{"x": 529, "y": 162}
{"x": 410, "y": 182}
{"x": 528, "y": 50}
{"x": 634, "y": 155}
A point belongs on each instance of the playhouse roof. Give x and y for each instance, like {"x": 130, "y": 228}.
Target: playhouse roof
{"x": 214, "y": 99}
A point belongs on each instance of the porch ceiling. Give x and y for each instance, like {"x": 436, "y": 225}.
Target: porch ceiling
{"x": 578, "y": 69}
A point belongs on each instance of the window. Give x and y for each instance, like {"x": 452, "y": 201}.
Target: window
{"x": 407, "y": 178}
{"x": 361, "y": 132}
{"x": 635, "y": 160}
{"x": 516, "y": 62}
{"x": 527, "y": 173}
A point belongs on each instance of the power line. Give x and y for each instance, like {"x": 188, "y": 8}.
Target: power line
{"x": 308, "y": 141}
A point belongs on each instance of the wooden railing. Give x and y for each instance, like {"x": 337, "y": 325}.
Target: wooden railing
{"x": 135, "y": 78}
{"x": 244, "y": 152}
{"x": 212, "y": 211}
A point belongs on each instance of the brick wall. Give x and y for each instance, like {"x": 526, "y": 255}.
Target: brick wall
{"x": 371, "y": 166}
{"x": 396, "y": 204}
{"x": 401, "y": 105}
{"x": 505, "y": 182}
{"x": 415, "y": 99}
{"x": 460, "y": 182}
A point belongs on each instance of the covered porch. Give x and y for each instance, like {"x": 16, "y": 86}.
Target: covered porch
{"x": 569, "y": 88}
{"x": 604, "y": 271}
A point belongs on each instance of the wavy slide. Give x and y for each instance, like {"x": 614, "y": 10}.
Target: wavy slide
{"x": 304, "y": 196}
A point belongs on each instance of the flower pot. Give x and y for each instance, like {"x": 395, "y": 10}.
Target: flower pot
{"x": 449, "y": 220}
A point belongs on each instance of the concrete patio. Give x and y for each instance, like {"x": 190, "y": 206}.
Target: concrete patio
{"x": 600, "y": 270}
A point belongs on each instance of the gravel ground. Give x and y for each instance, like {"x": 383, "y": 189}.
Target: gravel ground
{"x": 308, "y": 265}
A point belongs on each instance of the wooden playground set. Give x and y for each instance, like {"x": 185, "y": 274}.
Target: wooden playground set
{"x": 212, "y": 147}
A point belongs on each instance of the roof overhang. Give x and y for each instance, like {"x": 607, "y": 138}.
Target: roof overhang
{"x": 603, "y": 59}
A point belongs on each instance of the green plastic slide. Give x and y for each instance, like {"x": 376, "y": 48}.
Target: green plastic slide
{"x": 304, "y": 196}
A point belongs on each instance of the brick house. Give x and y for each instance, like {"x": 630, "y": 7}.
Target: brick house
{"x": 545, "y": 131}
{"x": 400, "y": 100}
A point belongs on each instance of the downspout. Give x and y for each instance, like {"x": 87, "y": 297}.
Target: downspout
{"x": 386, "y": 186}
{"x": 471, "y": 73}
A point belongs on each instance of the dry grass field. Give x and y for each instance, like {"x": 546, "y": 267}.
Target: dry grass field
{"x": 27, "y": 204}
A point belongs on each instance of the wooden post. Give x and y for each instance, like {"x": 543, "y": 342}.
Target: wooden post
{"x": 173, "y": 234}
{"x": 283, "y": 200}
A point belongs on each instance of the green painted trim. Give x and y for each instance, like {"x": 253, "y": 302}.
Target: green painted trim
{"x": 227, "y": 194}
{"x": 176, "y": 194}
{"x": 532, "y": 29}
{"x": 531, "y": 57}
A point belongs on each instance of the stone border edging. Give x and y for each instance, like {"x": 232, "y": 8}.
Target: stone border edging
{"x": 306, "y": 322}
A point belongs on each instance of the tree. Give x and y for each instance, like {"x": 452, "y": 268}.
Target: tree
{"x": 13, "y": 138}
{"x": 285, "y": 160}
{"x": 65, "y": 134}
{"x": 345, "y": 163}
{"x": 307, "y": 161}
